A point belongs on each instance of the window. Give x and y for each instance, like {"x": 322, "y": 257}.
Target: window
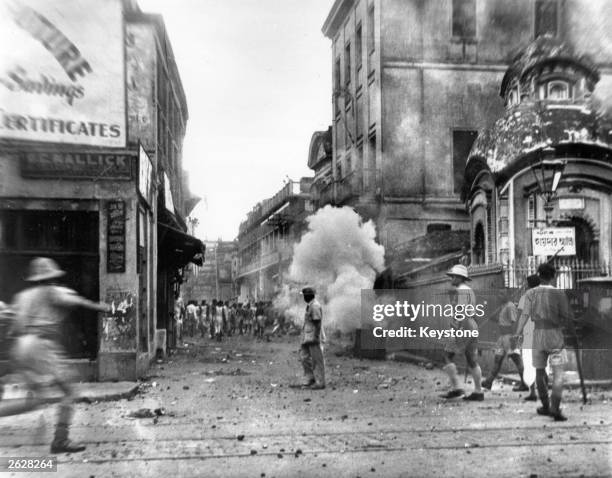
{"x": 514, "y": 97}
{"x": 347, "y": 64}
{"x": 43, "y": 230}
{"x": 531, "y": 212}
{"x": 358, "y": 47}
{"x": 337, "y": 77}
{"x": 554, "y": 90}
{"x": 438, "y": 227}
{"x": 558, "y": 90}
{"x": 546, "y": 17}
{"x": 371, "y": 30}
{"x": 359, "y": 117}
{"x": 464, "y": 18}
{"x": 462, "y": 143}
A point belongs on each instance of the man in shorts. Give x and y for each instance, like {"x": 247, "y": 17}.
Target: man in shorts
{"x": 549, "y": 309}
{"x": 39, "y": 312}
{"x": 506, "y": 345}
{"x": 468, "y": 346}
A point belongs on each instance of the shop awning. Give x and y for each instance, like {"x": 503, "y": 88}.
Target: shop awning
{"x": 177, "y": 248}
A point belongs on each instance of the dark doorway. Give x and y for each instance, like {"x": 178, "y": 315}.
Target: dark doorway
{"x": 479, "y": 244}
{"x": 587, "y": 247}
{"x": 71, "y": 238}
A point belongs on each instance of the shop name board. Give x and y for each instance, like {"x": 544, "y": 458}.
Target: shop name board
{"x": 76, "y": 165}
{"x": 115, "y": 237}
{"x": 550, "y": 241}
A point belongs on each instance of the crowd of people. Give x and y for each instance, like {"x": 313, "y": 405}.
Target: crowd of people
{"x": 227, "y": 318}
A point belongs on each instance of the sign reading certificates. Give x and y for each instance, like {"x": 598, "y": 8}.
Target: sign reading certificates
{"x": 62, "y": 72}
{"x": 554, "y": 240}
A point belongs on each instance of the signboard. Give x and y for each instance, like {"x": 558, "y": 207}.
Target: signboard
{"x": 35, "y": 164}
{"x": 145, "y": 176}
{"x": 554, "y": 240}
{"x": 115, "y": 240}
{"x": 168, "y": 194}
{"x": 63, "y": 79}
{"x": 571, "y": 203}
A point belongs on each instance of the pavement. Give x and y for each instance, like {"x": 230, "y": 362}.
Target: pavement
{"x": 226, "y": 410}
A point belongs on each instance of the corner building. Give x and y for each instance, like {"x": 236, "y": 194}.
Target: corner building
{"x": 413, "y": 83}
{"x": 95, "y": 180}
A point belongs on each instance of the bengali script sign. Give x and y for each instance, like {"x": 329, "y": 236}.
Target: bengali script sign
{"x": 549, "y": 241}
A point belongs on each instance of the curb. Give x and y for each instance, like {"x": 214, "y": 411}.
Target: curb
{"x": 56, "y": 398}
{"x": 112, "y": 397}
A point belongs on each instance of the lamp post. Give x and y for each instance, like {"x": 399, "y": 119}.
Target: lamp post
{"x": 547, "y": 173}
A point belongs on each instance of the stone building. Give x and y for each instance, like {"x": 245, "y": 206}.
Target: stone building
{"x": 544, "y": 167}
{"x": 216, "y": 278}
{"x": 266, "y": 239}
{"x": 413, "y": 83}
{"x": 94, "y": 178}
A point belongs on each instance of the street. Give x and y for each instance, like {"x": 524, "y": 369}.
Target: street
{"x": 226, "y": 409}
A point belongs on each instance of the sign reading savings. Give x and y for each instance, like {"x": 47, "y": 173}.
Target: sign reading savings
{"x": 64, "y": 83}
{"x": 554, "y": 240}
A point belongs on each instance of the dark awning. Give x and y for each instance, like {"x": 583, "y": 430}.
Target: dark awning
{"x": 176, "y": 248}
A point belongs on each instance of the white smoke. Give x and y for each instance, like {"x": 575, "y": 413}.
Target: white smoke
{"x": 339, "y": 256}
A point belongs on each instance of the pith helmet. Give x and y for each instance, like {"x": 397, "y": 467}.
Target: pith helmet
{"x": 43, "y": 268}
{"x": 459, "y": 270}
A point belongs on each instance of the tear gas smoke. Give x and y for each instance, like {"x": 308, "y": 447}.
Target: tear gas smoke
{"x": 339, "y": 256}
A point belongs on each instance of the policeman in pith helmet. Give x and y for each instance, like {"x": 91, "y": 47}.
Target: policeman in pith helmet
{"x": 39, "y": 312}
{"x": 468, "y": 346}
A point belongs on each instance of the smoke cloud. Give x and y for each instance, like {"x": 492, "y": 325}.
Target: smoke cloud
{"x": 339, "y": 256}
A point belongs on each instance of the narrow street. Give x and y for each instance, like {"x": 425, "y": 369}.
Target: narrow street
{"x": 228, "y": 410}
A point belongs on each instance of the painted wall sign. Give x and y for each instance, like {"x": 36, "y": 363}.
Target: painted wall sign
{"x": 145, "y": 176}
{"x": 115, "y": 240}
{"x": 140, "y": 68}
{"x": 554, "y": 240}
{"x": 35, "y": 164}
{"x": 119, "y": 325}
{"x": 65, "y": 82}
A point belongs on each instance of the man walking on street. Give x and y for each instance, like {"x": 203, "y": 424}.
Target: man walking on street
{"x": 506, "y": 345}
{"x": 39, "y": 312}
{"x": 526, "y": 353}
{"x": 549, "y": 309}
{"x": 468, "y": 346}
{"x": 311, "y": 353}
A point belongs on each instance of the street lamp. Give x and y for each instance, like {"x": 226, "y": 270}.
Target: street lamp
{"x": 547, "y": 173}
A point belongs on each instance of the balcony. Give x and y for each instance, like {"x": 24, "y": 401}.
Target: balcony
{"x": 353, "y": 185}
{"x": 269, "y": 206}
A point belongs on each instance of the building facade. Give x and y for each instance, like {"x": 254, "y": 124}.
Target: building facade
{"x": 93, "y": 178}
{"x": 413, "y": 83}
{"x": 266, "y": 239}
{"x": 216, "y": 278}
{"x": 544, "y": 168}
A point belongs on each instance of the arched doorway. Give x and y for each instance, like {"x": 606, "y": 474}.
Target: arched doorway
{"x": 587, "y": 243}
